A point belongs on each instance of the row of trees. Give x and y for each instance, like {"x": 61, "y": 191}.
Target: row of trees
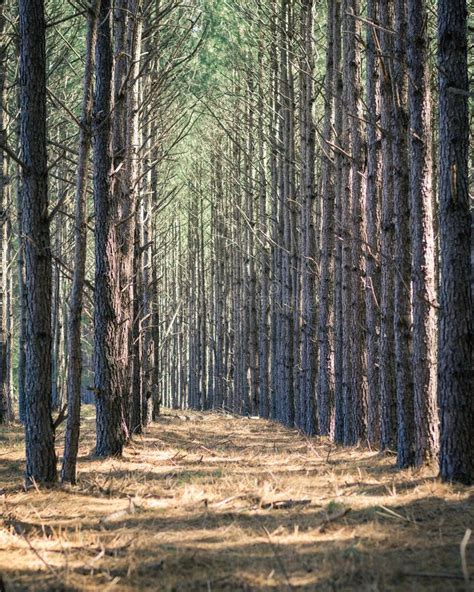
{"x": 327, "y": 232}
{"x": 91, "y": 117}
{"x": 278, "y": 230}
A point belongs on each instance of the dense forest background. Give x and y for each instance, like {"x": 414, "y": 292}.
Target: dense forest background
{"x": 261, "y": 207}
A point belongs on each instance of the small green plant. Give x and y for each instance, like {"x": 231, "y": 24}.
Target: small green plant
{"x": 334, "y": 507}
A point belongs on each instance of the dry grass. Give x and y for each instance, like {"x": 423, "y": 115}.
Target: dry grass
{"x": 212, "y": 502}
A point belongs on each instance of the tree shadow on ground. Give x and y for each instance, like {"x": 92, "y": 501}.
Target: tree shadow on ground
{"x": 202, "y": 559}
{"x": 193, "y": 523}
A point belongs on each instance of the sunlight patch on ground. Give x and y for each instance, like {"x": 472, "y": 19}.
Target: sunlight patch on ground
{"x": 214, "y": 502}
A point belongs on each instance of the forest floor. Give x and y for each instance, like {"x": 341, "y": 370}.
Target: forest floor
{"x": 207, "y": 501}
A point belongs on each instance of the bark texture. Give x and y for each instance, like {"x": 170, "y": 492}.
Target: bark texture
{"x": 40, "y": 453}
{"x": 456, "y": 379}
{"x": 425, "y": 325}
{"x": 107, "y": 298}
{"x": 68, "y": 473}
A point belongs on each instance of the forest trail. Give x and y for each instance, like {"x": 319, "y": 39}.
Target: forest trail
{"x": 207, "y": 501}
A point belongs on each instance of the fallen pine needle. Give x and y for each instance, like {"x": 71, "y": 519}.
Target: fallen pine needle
{"x": 284, "y": 504}
{"x": 464, "y": 542}
{"x": 394, "y": 515}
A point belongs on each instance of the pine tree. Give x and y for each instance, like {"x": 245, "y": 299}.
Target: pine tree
{"x": 456, "y": 382}
{"x": 40, "y": 452}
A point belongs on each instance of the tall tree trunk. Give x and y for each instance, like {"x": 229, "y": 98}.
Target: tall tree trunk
{"x": 138, "y": 400}
{"x": 263, "y": 227}
{"x": 22, "y": 313}
{"x": 107, "y": 297}
{"x": 76, "y": 299}
{"x": 306, "y": 418}
{"x": 56, "y": 319}
{"x": 358, "y": 165}
{"x": 275, "y": 149}
{"x": 203, "y": 304}
{"x": 402, "y": 301}
{"x": 456, "y": 379}
{"x": 220, "y": 279}
{"x": 388, "y": 422}
{"x": 293, "y": 361}
{"x": 4, "y": 363}
{"x": 338, "y": 271}
{"x": 124, "y": 196}
{"x": 21, "y": 369}
{"x": 285, "y": 391}
{"x": 40, "y": 452}
{"x": 348, "y": 242}
{"x": 325, "y": 385}
{"x": 372, "y": 214}
{"x": 132, "y": 287}
{"x": 422, "y": 236}
{"x": 9, "y": 306}
{"x": 154, "y": 407}
{"x": 149, "y": 360}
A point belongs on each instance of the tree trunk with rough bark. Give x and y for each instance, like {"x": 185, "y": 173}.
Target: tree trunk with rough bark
{"x": 306, "y": 418}
{"x": 372, "y": 231}
{"x": 358, "y": 175}
{"x": 401, "y": 199}
{"x": 4, "y": 363}
{"x": 40, "y": 452}
{"x": 456, "y": 378}
{"x": 76, "y": 299}
{"x": 325, "y": 384}
{"x": 425, "y": 323}
{"x": 388, "y": 421}
{"x": 108, "y": 346}
{"x": 338, "y": 271}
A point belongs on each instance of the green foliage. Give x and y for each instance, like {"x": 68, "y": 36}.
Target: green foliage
{"x": 227, "y": 42}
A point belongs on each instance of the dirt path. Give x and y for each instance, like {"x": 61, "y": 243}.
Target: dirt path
{"x": 211, "y": 502}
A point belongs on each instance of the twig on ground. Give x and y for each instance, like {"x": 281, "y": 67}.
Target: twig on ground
{"x": 333, "y": 517}
{"x": 284, "y": 504}
{"x": 392, "y": 514}
{"x": 232, "y": 498}
{"x": 178, "y": 456}
{"x": 311, "y": 446}
{"x": 463, "y": 545}
{"x": 211, "y": 452}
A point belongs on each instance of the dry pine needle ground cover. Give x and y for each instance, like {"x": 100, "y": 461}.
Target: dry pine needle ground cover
{"x": 213, "y": 502}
